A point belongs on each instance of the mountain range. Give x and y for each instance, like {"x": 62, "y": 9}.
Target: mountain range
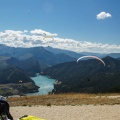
{"x": 88, "y": 76}
{"x": 85, "y": 76}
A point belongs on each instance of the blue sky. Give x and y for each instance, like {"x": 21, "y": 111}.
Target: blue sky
{"x": 68, "y": 20}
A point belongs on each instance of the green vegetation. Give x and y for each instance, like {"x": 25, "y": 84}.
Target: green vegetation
{"x": 17, "y": 89}
{"x": 87, "y": 76}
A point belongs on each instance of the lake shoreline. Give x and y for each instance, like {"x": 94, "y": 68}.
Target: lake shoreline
{"x": 45, "y": 83}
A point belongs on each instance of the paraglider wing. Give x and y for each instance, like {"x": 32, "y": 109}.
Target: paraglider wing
{"x": 92, "y": 57}
{"x": 48, "y": 36}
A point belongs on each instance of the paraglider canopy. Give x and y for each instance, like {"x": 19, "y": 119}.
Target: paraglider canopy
{"x": 95, "y": 57}
{"x": 46, "y": 35}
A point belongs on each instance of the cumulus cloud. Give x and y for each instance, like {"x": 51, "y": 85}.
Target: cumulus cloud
{"x": 103, "y": 15}
{"x": 25, "y": 31}
{"x": 33, "y": 38}
{"x": 42, "y": 32}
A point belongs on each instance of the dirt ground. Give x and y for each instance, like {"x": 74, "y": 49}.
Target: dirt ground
{"x": 83, "y": 112}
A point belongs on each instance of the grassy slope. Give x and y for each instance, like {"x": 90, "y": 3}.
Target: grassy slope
{"x": 66, "y": 99}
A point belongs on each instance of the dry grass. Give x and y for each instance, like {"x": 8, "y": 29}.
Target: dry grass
{"x": 66, "y": 99}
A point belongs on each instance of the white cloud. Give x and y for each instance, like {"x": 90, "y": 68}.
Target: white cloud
{"x": 25, "y": 31}
{"x": 42, "y": 32}
{"x": 103, "y": 15}
{"x": 31, "y": 39}
{"x": 37, "y": 32}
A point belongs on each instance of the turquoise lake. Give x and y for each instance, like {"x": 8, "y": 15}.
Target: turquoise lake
{"x": 45, "y": 84}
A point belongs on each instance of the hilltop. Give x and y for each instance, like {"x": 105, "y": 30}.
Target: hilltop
{"x": 13, "y": 80}
{"x": 86, "y": 76}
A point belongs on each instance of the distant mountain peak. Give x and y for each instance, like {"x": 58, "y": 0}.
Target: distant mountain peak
{"x": 108, "y": 58}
